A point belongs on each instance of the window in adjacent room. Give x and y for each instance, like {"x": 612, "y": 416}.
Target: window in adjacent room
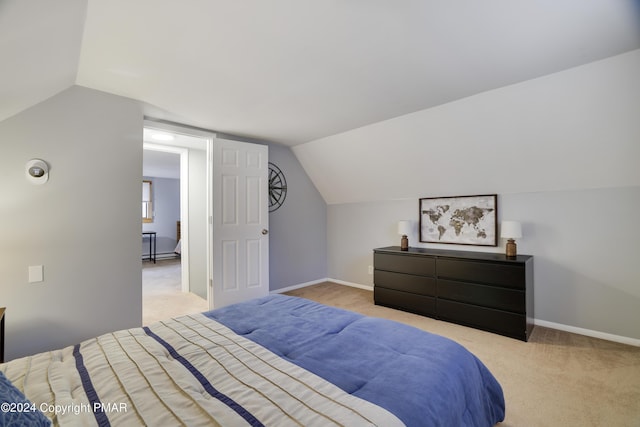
{"x": 147, "y": 208}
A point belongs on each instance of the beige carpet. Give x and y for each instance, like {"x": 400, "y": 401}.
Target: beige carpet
{"x": 162, "y": 296}
{"x": 555, "y": 379}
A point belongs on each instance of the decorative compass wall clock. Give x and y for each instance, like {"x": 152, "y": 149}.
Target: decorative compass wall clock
{"x": 277, "y": 187}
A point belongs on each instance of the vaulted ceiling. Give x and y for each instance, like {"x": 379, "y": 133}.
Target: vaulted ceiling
{"x": 294, "y": 71}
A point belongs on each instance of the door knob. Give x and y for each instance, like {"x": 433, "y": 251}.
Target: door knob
{"x": 265, "y": 231}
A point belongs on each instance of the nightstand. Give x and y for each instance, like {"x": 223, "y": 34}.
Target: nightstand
{"x": 2, "y": 334}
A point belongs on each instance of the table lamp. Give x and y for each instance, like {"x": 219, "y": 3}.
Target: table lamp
{"x": 511, "y": 230}
{"x": 404, "y": 228}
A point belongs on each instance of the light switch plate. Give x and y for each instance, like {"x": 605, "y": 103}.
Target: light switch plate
{"x": 36, "y": 273}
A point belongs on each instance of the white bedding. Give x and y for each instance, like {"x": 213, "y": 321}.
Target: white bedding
{"x": 177, "y": 372}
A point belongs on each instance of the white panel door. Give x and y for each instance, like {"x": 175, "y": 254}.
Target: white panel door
{"x": 240, "y": 222}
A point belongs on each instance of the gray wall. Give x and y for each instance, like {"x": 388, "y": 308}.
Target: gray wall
{"x": 91, "y": 257}
{"x": 584, "y": 243}
{"x": 298, "y": 229}
{"x": 166, "y": 211}
{"x": 83, "y": 226}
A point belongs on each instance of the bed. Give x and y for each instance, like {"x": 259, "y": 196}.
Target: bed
{"x": 273, "y": 361}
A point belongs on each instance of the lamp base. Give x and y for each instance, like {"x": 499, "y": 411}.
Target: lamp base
{"x": 404, "y": 243}
{"x": 511, "y": 248}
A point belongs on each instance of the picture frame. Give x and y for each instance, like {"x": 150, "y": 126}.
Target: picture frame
{"x": 459, "y": 220}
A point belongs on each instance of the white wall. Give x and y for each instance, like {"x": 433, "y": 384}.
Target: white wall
{"x": 560, "y": 151}
{"x": 198, "y": 222}
{"x": 83, "y": 226}
{"x": 570, "y": 130}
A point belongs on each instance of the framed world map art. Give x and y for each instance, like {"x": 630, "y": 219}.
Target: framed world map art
{"x": 462, "y": 220}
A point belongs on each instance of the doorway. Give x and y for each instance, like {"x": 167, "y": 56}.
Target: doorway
{"x": 233, "y": 258}
{"x": 176, "y": 164}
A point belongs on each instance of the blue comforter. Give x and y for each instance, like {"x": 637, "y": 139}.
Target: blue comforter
{"x": 424, "y": 379}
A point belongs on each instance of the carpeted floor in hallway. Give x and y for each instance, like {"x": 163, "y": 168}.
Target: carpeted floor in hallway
{"x": 162, "y": 297}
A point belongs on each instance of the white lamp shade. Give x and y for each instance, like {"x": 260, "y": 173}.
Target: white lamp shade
{"x": 511, "y": 230}
{"x": 404, "y": 227}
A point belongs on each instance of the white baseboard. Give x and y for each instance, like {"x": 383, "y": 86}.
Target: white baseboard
{"x": 353, "y": 285}
{"x": 588, "y": 332}
{"x": 301, "y": 285}
{"x": 315, "y": 282}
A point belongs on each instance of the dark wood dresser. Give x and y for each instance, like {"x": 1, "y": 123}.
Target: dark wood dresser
{"x": 483, "y": 290}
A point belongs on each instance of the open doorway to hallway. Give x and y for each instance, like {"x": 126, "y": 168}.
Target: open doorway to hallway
{"x": 176, "y": 283}
{"x": 162, "y": 295}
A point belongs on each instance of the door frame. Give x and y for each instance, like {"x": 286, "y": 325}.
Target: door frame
{"x": 209, "y": 137}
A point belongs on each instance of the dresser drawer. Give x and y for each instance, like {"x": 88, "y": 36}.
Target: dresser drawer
{"x": 511, "y": 276}
{"x": 488, "y": 319}
{"x": 405, "y": 282}
{"x": 419, "y": 304}
{"x": 487, "y": 296}
{"x": 410, "y": 264}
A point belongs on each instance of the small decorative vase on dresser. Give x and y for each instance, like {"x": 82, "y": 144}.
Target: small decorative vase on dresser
{"x": 482, "y": 290}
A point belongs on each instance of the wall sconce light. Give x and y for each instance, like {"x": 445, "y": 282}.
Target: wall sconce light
{"x": 511, "y": 230}
{"x": 404, "y": 228}
{"x": 37, "y": 171}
